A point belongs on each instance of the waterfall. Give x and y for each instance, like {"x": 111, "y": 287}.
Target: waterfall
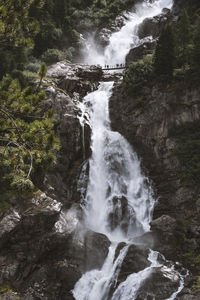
{"x": 119, "y": 200}
{"x": 122, "y": 41}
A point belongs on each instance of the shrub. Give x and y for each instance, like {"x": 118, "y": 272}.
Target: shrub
{"x": 138, "y": 74}
{"x": 33, "y": 66}
{"x": 54, "y": 55}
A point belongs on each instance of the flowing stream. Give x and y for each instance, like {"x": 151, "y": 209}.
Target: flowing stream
{"x": 118, "y": 201}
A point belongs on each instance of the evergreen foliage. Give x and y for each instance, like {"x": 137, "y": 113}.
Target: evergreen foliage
{"x": 138, "y": 74}
{"x": 27, "y": 137}
{"x": 32, "y": 31}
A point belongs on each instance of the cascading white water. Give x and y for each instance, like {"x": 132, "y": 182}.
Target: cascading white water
{"x": 118, "y": 201}
{"x": 116, "y": 183}
{"x": 122, "y": 41}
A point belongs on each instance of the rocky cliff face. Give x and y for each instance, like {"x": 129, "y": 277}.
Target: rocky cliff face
{"x": 67, "y": 84}
{"x": 147, "y": 120}
{"x": 43, "y": 249}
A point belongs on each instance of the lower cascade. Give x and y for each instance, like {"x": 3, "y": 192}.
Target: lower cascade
{"x": 119, "y": 204}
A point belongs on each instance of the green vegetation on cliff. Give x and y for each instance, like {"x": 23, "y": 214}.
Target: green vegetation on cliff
{"x": 27, "y": 138}
{"x": 33, "y": 32}
{"x": 177, "y": 54}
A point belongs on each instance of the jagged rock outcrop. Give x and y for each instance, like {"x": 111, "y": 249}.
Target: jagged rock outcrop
{"x": 160, "y": 284}
{"x": 38, "y": 261}
{"x": 153, "y": 26}
{"x": 147, "y": 120}
{"x": 138, "y": 52}
{"x": 136, "y": 260}
{"x": 148, "y": 31}
{"x": 164, "y": 229}
{"x": 67, "y": 84}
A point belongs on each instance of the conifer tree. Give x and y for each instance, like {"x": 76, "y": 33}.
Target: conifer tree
{"x": 164, "y": 55}
{"x": 27, "y": 138}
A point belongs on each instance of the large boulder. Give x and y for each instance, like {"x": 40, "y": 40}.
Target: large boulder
{"x": 136, "y": 260}
{"x": 96, "y": 250}
{"x": 38, "y": 216}
{"x": 153, "y": 26}
{"x": 138, "y": 52}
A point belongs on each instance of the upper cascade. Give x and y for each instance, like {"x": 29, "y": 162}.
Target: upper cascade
{"x": 122, "y": 41}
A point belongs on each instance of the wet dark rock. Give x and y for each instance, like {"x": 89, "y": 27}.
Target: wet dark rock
{"x": 38, "y": 218}
{"x": 177, "y": 6}
{"x": 119, "y": 213}
{"x": 163, "y": 231}
{"x": 112, "y": 77}
{"x": 42, "y": 263}
{"x": 159, "y": 284}
{"x": 136, "y": 260}
{"x": 153, "y": 26}
{"x": 96, "y": 250}
{"x": 138, "y": 52}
